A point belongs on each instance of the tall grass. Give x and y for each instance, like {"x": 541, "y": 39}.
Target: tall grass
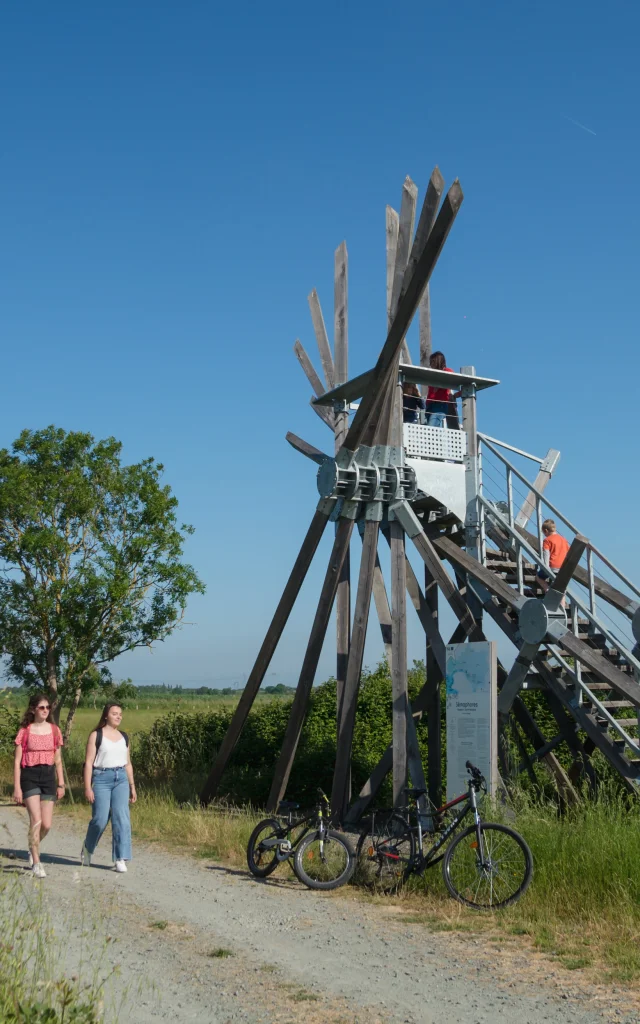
{"x": 33, "y": 987}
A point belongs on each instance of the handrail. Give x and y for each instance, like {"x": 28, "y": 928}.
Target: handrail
{"x": 558, "y": 513}
{"x": 510, "y": 447}
{"x": 633, "y": 743}
{"x": 535, "y": 557}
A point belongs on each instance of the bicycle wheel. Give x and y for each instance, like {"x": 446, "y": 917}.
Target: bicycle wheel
{"x": 262, "y": 848}
{"x": 385, "y": 857}
{"x": 324, "y": 863}
{"x": 500, "y": 879}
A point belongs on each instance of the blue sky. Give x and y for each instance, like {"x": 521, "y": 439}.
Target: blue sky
{"x": 174, "y": 180}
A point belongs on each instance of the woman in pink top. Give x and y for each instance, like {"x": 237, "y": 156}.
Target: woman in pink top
{"x": 37, "y": 763}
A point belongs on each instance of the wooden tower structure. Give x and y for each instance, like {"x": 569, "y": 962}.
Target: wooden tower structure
{"x": 463, "y": 501}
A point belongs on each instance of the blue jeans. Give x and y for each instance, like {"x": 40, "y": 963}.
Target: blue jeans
{"x": 111, "y": 791}
{"x": 436, "y": 412}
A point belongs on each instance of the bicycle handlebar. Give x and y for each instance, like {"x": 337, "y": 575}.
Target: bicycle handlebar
{"x": 474, "y": 772}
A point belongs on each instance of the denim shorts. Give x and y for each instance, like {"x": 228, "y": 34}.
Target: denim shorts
{"x": 38, "y": 780}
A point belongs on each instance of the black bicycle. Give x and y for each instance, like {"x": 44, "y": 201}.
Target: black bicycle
{"x": 485, "y": 866}
{"x": 322, "y": 857}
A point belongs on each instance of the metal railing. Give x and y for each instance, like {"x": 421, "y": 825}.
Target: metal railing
{"x": 502, "y": 513}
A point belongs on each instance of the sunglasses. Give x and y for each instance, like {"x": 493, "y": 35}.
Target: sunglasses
{"x": 43, "y": 707}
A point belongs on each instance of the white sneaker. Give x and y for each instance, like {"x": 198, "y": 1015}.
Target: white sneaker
{"x": 39, "y": 871}
{"x": 121, "y": 865}
{"x": 85, "y": 856}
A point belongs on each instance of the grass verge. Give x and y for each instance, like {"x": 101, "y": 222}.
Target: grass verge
{"x": 582, "y": 909}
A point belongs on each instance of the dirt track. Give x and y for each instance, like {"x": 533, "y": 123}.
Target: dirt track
{"x": 295, "y": 955}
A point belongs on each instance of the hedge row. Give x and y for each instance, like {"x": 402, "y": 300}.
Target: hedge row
{"x": 183, "y": 746}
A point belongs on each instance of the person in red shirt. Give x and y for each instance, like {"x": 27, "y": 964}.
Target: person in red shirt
{"x": 554, "y": 551}
{"x": 37, "y": 762}
{"x": 440, "y": 401}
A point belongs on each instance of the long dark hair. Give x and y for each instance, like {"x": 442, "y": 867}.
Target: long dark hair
{"x": 30, "y": 713}
{"x": 105, "y": 711}
{"x": 437, "y": 361}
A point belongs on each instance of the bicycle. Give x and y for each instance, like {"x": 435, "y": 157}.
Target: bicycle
{"x": 322, "y": 858}
{"x": 486, "y": 866}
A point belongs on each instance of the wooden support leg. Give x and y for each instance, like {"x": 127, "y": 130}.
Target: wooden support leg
{"x": 383, "y": 767}
{"x": 435, "y": 678}
{"x": 340, "y": 794}
{"x": 343, "y": 630}
{"x": 262, "y": 662}
{"x": 399, "y": 691}
{"x": 310, "y": 664}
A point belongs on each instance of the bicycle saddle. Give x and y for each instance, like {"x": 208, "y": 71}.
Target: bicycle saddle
{"x": 415, "y": 793}
{"x": 288, "y": 805}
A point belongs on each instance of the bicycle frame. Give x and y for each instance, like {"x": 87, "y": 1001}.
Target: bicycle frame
{"x": 315, "y": 819}
{"x": 471, "y": 798}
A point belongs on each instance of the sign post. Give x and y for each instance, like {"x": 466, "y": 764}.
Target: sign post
{"x": 472, "y": 686}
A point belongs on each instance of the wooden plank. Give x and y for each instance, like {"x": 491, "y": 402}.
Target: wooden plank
{"x": 428, "y": 213}
{"x": 424, "y": 327}
{"x": 570, "y": 564}
{"x": 305, "y": 448}
{"x": 594, "y": 661}
{"x": 429, "y": 555}
{"x": 340, "y": 794}
{"x": 265, "y": 654}
{"x": 399, "y": 687}
{"x": 308, "y": 369}
{"x": 450, "y": 550}
{"x": 542, "y": 479}
{"x": 405, "y": 235}
{"x": 436, "y": 673}
{"x": 310, "y": 664}
{"x": 384, "y": 612}
{"x": 429, "y": 622}
{"x": 341, "y": 426}
{"x": 392, "y": 228}
{"x": 325, "y": 414}
{"x": 341, "y": 314}
{"x": 407, "y": 306}
{"x": 320, "y": 332}
{"x": 536, "y": 737}
{"x": 383, "y": 767}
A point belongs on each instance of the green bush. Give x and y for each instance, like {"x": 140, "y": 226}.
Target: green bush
{"x": 183, "y": 746}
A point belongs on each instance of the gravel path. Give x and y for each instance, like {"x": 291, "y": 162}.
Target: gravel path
{"x": 282, "y": 953}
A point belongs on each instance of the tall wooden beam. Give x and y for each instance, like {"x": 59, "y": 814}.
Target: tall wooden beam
{"x": 341, "y": 793}
{"x": 405, "y": 237}
{"x": 407, "y": 306}
{"x": 341, "y": 373}
{"x": 310, "y": 664}
{"x": 308, "y": 368}
{"x": 399, "y": 688}
{"x": 322, "y": 340}
{"x": 265, "y": 654}
{"x": 435, "y": 678}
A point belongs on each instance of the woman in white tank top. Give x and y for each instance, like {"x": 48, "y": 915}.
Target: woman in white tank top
{"x": 109, "y": 786}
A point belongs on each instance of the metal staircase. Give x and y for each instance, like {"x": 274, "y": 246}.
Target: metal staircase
{"x": 585, "y": 660}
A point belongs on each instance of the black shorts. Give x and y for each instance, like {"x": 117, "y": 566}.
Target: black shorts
{"x": 39, "y": 780}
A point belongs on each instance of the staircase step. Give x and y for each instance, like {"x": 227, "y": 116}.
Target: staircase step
{"x": 611, "y": 704}
{"x": 627, "y": 723}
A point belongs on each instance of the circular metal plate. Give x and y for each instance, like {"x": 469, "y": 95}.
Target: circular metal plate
{"x": 327, "y": 478}
{"x": 533, "y": 621}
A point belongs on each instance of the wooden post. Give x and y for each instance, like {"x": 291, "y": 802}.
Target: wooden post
{"x": 341, "y": 792}
{"x": 341, "y": 373}
{"x": 265, "y": 654}
{"x": 310, "y": 664}
{"x": 399, "y": 693}
{"x": 435, "y": 678}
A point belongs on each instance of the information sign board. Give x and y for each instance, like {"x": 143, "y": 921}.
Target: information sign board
{"x": 472, "y": 676}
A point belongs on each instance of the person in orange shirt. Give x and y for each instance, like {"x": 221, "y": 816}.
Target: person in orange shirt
{"x": 554, "y": 551}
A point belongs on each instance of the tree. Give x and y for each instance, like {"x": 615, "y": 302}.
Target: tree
{"x": 90, "y": 560}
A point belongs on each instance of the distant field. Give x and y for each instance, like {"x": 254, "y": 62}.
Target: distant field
{"x": 141, "y": 713}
